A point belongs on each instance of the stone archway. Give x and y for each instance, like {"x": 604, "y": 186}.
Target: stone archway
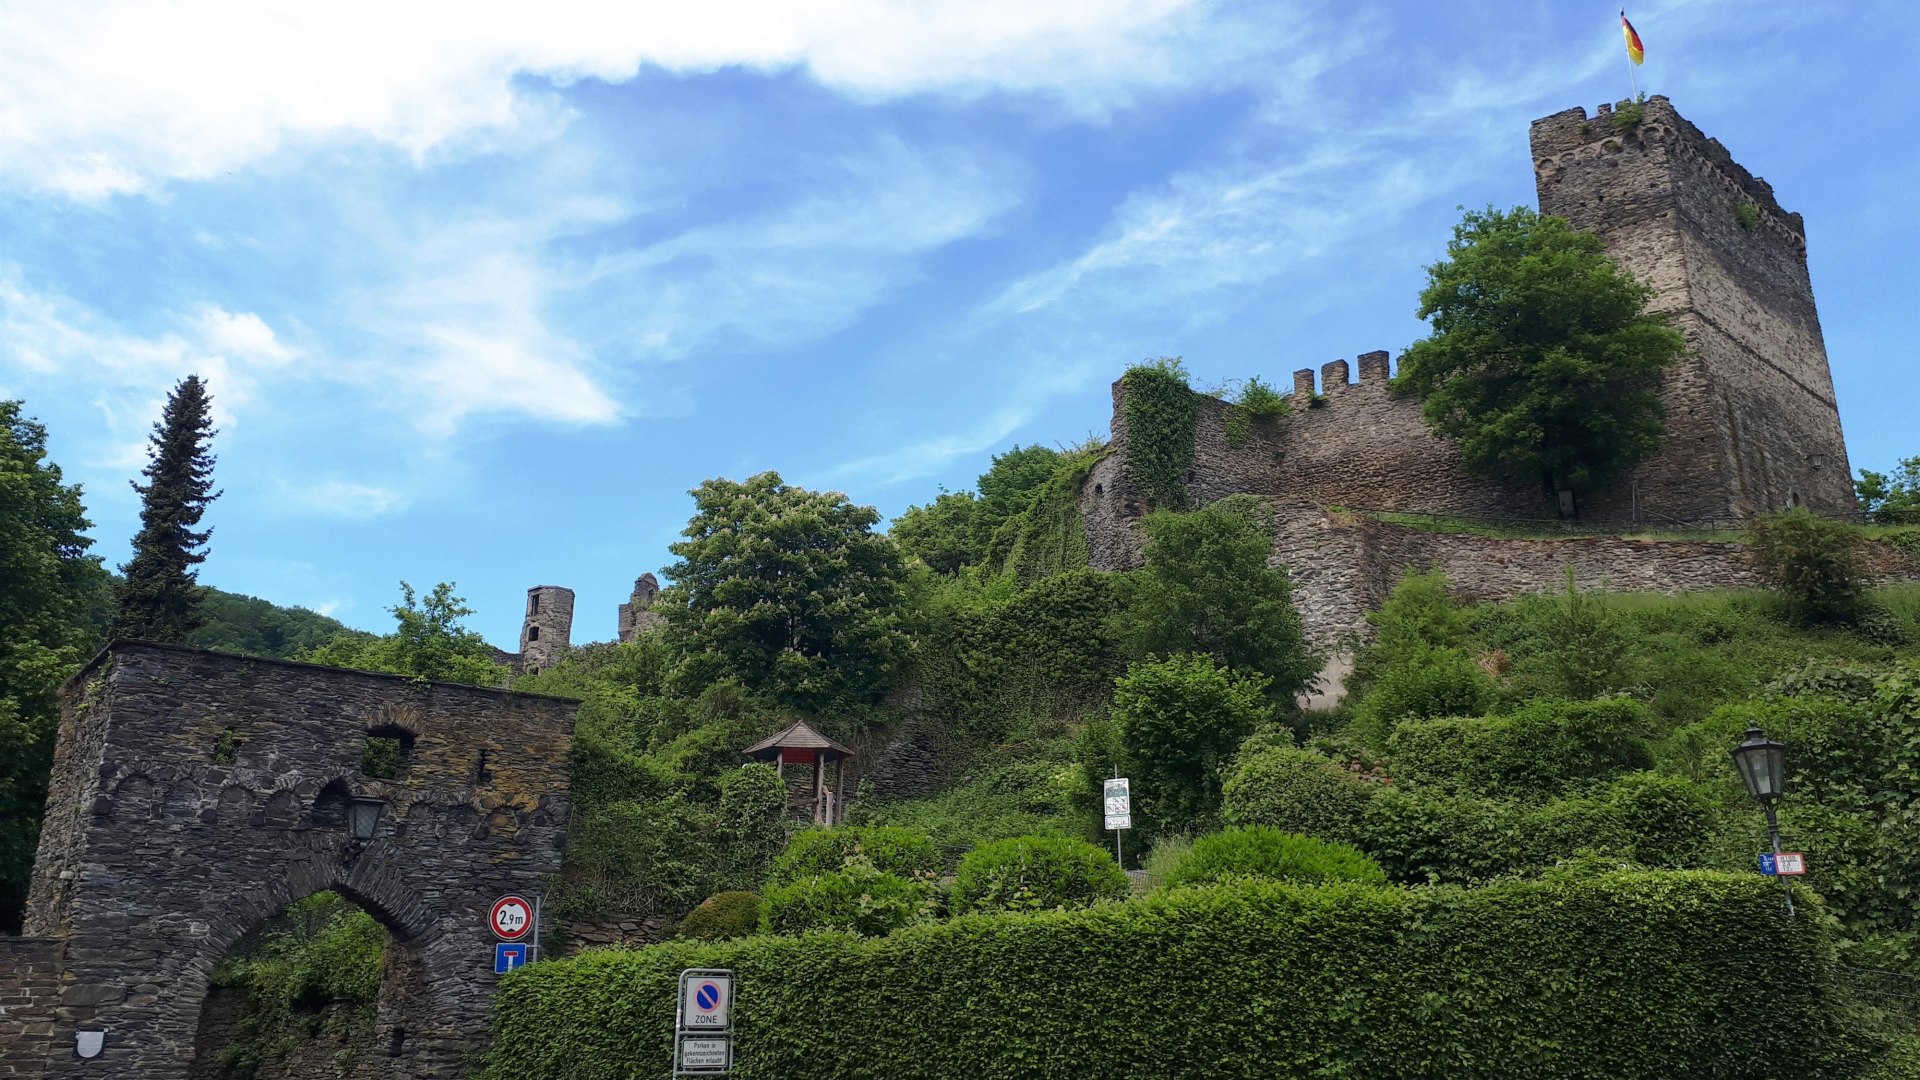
{"x": 196, "y": 794}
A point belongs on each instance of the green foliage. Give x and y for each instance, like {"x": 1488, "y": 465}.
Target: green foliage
{"x": 788, "y": 591}
{"x": 1620, "y": 976}
{"x": 47, "y": 583}
{"x": 1298, "y": 791}
{"x": 382, "y": 758}
{"x": 1541, "y": 750}
{"x": 939, "y": 534}
{"x": 1180, "y": 720}
{"x": 158, "y": 599}
{"x": 321, "y": 953}
{"x": 1048, "y": 536}
{"x": 1894, "y": 499}
{"x": 1628, "y": 115}
{"x": 1036, "y": 873}
{"x": 1160, "y": 413}
{"x": 1431, "y": 836}
{"x": 1417, "y": 617}
{"x": 429, "y": 643}
{"x": 231, "y": 622}
{"x": 1264, "y": 853}
{"x": 1254, "y": 404}
{"x": 1814, "y": 562}
{"x": 723, "y": 916}
{"x": 1746, "y": 214}
{"x": 1007, "y": 488}
{"x": 858, "y": 898}
{"x": 1543, "y": 364}
{"x": 1587, "y": 651}
{"x": 1424, "y": 684}
{"x": 813, "y": 852}
{"x": 1207, "y": 589}
{"x": 1165, "y": 854}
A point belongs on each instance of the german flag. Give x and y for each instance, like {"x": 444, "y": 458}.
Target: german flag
{"x": 1635, "y": 51}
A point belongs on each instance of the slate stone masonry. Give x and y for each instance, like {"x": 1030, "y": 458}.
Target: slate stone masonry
{"x": 195, "y": 794}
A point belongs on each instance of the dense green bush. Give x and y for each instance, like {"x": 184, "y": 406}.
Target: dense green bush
{"x": 723, "y": 915}
{"x": 1626, "y": 976}
{"x": 320, "y": 960}
{"x": 1033, "y": 794}
{"x": 1160, "y": 416}
{"x": 1180, "y": 720}
{"x": 856, "y": 899}
{"x": 1425, "y": 683}
{"x": 812, "y": 852}
{"x": 1653, "y": 820}
{"x": 1033, "y": 873}
{"x": 1418, "y": 617}
{"x": 1540, "y": 750}
{"x": 1267, "y": 854}
{"x": 1296, "y": 790}
{"x": 1812, "y": 561}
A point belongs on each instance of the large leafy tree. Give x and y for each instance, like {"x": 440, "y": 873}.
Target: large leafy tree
{"x": 1544, "y": 364}
{"x": 790, "y": 591}
{"x": 1180, "y": 719}
{"x": 1207, "y": 589}
{"x": 1891, "y": 498}
{"x": 159, "y": 597}
{"x": 429, "y": 643}
{"x": 47, "y": 583}
{"x": 940, "y": 533}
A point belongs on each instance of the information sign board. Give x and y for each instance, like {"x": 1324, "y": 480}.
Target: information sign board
{"x": 1119, "y": 803}
{"x": 1790, "y": 864}
{"x": 706, "y": 1053}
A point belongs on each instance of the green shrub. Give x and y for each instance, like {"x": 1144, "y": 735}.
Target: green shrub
{"x": 1814, "y": 562}
{"x": 1180, "y": 719}
{"x": 857, "y": 899}
{"x": 1160, "y": 410}
{"x": 1418, "y": 617}
{"x": 1296, "y": 790}
{"x": 723, "y": 915}
{"x": 1164, "y": 855}
{"x": 813, "y": 852}
{"x": 1031, "y": 873}
{"x": 1653, "y": 820}
{"x": 1256, "y": 402}
{"x": 1538, "y": 751}
{"x": 1033, "y": 796}
{"x": 1265, "y": 853}
{"x": 1426, "y": 683}
{"x": 1625, "y": 976}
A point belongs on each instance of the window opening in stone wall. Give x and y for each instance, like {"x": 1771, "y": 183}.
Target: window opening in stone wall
{"x": 480, "y": 772}
{"x": 533, "y": 604}
{"x": 387, "y": 750}
{"x": 225, "y": 748}
{"x": 533, "y": 633}
{"x": 330, "y": 806}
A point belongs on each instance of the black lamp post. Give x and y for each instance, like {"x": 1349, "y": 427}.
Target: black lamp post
{"x": 1763, "y": 769}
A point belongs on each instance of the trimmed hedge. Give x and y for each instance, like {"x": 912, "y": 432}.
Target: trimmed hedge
{"x": 1623, "y": 976}
{"x": 858, "y": 899}
{"x": 1267, "y": 854}
{"x": 1536, "y": 752}
{"x": 1298, "y": 791}
{"x": 813, "y": 852}
{"x": 1033, "y": 873}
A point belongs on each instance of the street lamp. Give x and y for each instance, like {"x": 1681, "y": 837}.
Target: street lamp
{"x": 363, "y": 817}
{"x": 1763, "y": 769}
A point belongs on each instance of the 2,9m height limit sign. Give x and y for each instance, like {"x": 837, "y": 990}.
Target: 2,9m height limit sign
{"x": 1118, "y": 800}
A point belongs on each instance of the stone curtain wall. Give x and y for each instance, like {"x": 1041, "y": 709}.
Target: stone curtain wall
{"x": 196, "y": 794}
{"x": 1754, "y": 424}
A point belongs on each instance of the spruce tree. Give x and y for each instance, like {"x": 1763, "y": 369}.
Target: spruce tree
{"x": 160, "y": 598}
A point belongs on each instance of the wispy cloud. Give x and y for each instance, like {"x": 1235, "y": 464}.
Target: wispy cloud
{"x": 346, "y": 499}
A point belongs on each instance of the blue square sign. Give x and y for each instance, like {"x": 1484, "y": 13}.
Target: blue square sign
{"x": 1767, "y": 865}
{"x": 508, "y": 955}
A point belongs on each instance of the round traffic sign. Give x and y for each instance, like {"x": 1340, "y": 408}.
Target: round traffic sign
{"x": 707, "y": 996}
{"x": 511, "y": 918}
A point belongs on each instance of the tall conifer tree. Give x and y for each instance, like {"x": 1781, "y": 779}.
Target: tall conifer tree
{"x": 160, "y": 598}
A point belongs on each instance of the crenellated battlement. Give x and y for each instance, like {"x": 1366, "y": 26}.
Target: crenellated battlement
{"x": 1334, "y": 378}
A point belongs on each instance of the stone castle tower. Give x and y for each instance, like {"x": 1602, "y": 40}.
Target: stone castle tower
{"x": 546, "y": 632}
{"x": 1751, "y": 418}
{"x": 636, "y": 616}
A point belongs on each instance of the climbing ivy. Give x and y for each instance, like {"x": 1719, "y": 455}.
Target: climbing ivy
{"x": 1049, "y": 537}
{"x": 1160, "y": 422}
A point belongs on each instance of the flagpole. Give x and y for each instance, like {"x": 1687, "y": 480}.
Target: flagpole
{"x": 1633, "y": 77}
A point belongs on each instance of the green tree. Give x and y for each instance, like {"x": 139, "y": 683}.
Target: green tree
{"x": 1543, "y": 365}
{"x": 1007, "y": 488}
{"x": 1207, "y": 588}
{"x": 1180, "y": 721}
{"x": 940, "y": 533}
{"x": 1893, "y": 499}
{"x": 429, "y": 643}
{"x": 159, "y": 597}
{"x": 788, "y": 590}
{"x": 1589, "y": 652}
{"x": 1814, "y": 562}
{"x": 47, "y": 581}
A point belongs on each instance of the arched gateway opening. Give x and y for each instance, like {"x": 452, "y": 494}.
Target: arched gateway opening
{"x": 201, "y": 802}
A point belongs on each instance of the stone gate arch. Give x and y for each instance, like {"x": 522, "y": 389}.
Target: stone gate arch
{"x": 194, "y": 796}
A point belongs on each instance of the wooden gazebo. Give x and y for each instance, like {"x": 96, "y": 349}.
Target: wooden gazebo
{"x": 799, "y": 744}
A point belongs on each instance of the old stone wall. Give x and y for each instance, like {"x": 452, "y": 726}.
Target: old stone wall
{"x": 29, "y": 994}
{"x": 196, "y": 794}
{"x": 619, "y": 931}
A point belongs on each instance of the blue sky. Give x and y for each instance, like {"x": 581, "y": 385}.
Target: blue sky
{"x": 482, "y": 291}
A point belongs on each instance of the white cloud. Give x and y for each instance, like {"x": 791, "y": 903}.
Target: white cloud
{"x": 347, "y": 499}
{"x": 109, "y": 97}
